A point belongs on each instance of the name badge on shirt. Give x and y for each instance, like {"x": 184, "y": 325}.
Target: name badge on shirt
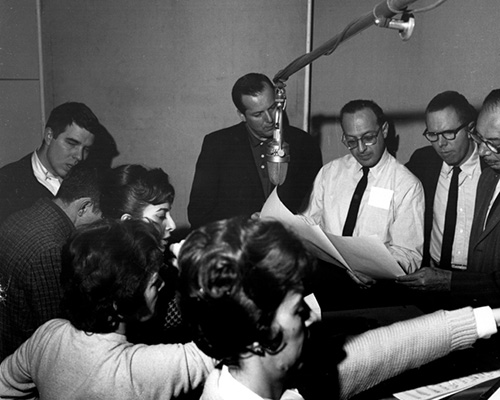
{"x": 380, "y": 197}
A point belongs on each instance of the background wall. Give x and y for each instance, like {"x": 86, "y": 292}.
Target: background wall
{"x": 453, "y": 47}
{"x": 20, "y": 112}
{"x": 158, "y": 73}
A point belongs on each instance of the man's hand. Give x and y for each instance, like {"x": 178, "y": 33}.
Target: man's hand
{"x": 427, "y": 278}
{"x": 361, "y": 279}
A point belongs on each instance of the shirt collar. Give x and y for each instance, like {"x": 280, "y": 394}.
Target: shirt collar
{"x": 378, "y": 167}
{"x": 468, "y": 167}
{"x": 39, "y": 169}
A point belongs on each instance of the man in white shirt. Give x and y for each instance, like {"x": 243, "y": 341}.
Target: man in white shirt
{"x": 391, "y": 206}
{"x": 449, "y": 117}
{"x": 479, "y": 283}
{"x": 69, "y": 134}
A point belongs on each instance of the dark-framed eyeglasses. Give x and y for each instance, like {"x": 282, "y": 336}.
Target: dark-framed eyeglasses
{"x": 368, "y": 139}
{"x": 449, "y": 134}
{"x": 478, "y": 138}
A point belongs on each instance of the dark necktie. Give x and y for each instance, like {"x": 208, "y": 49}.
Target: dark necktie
{"x": 352, "y": 214}
{"x": 450, "y": 221}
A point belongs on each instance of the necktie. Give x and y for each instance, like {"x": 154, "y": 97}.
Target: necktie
{"x": 352, "y": 214}
{"x": 450, "y": 221}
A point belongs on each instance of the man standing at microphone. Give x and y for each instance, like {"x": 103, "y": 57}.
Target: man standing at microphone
{"x": 231, "y": 176}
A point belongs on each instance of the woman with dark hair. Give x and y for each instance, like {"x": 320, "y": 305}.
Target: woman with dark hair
{"x": 242, "y": 286}
{"x": 133, "y": 191}
{"x": 242, "y": 290}
{"x": 110, "y": 279}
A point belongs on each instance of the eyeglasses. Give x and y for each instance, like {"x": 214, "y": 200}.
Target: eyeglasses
{"x": 450, "y": 134}
{"x": 368, "y": 139}
{"x": 478, "y": 138}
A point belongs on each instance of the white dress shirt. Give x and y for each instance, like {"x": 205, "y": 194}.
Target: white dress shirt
{"x": 467, "y": 185}
{"x": 392, "y": 207}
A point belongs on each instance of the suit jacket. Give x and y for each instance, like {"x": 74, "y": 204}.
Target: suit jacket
{"x": 426, "y": 165}
{"x": 227, "y": 183}
{"x": 481, "y": 282}
{"x": 19, "y": 188}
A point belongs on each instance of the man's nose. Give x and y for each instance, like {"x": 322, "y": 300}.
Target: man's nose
{"x": 78, "y": 154}
{"x": 484, "y": 150}
{"x": 361, "y": 146}
{"x": 442, "y": 141}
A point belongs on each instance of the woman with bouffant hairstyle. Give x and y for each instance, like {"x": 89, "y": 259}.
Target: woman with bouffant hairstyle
{"x": 242, "y": 288}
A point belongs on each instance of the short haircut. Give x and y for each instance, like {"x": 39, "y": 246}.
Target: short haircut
{"x": 465, "y": 111}
{"x": 250, "y": 84}
{"x": 130, "y": 188}
{"x": 105, "y": 270}
{"x": 70, "y": 113}
{"x": 235, "y": 273}
{"x": 359, "y": 105}
{"x": 82, "y": 180}
{"x": 491, "y": 101}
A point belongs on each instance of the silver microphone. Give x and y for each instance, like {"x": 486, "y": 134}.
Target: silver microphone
{"x": 278, "y": 151}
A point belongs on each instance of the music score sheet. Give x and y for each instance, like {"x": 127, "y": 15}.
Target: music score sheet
{"x": 444, "y": 389}
{"x": 363, "y": 254}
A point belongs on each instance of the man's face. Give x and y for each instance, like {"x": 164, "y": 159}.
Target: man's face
{"x": 453, "y": 152}
{"x": 488, "y": 126}
{"x": 68, "y": 149}
{"x": 358, "y": 124}
{"x": 259, "y": 113}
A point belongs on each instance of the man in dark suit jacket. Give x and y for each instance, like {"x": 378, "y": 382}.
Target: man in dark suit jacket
{"x": 449, "y": 117}
{"x": 69, "y": 133}
{"x": 231, "y": 176}
{"x": 480, "y": 282}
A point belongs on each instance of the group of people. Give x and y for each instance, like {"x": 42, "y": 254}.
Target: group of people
{"x": 93, "y": 303}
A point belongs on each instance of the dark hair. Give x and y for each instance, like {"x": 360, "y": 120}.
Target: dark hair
{"x": 70, "y": 113}
{"x": 465, "y": 111}
{"x": 130, "y": 188}
{"x": 491, "y": 101}
{"x": 234, "y": 275}
{"x": 105, "y": 270}
{"x": 81, "y": 181}
{"x": 358, "y": 105}
{"x": 250, "y": 84}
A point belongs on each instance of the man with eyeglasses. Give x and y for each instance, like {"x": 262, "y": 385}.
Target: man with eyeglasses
{"x": 479, "y": 283}
{"x": 392, "y": 203}
{"x": 449, "y": 170}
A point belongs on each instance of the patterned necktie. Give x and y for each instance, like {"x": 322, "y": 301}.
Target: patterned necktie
{"x": 352, "y": 214}
{"x": 450, "y": 221}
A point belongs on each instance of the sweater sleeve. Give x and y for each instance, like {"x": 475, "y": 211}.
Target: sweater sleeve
{"x": 383, "y": 353}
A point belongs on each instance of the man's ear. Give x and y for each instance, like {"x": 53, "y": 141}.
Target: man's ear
{"x": 125, "y": 217}
{"x": 241, "y": 115}
{"x": 85, "y": 205}
{"x": 48, "y": 135}
{"x": 470, "y": 128}
{"x": 385, "y": 129}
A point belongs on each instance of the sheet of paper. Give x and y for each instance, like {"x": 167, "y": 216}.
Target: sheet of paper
{"x": 364, "y": 254}
{"x": 367, "y": 254}
{"x": 318, "y": 242}
{"x": 440, "y": 390}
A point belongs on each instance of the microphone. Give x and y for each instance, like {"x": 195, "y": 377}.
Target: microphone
{"x": 278, "y": 151}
